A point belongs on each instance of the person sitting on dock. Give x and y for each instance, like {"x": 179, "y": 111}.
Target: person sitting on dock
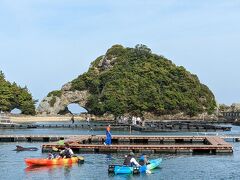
{"x": 143, "y": 160}
{"x": 130, "y": 160}
{"x": 67, "y": 152}
{"x": 108, "y": 136}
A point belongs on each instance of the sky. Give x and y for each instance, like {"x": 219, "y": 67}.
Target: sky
{"x": 45, "y": 44}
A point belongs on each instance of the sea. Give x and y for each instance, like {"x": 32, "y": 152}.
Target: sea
{"x": 174, "y": 166}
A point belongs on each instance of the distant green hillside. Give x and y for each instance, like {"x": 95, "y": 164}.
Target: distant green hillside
{"x": 13, "y": 96}
{"x": 135, "y": 80}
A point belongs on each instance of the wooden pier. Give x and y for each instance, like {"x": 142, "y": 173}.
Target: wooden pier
{"x": 153, "y": 144}
{"x": 135, "y": 143}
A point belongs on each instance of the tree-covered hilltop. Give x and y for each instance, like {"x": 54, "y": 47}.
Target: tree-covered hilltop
{"x": 135, "y": 80}
{"x": 13, "y": 96}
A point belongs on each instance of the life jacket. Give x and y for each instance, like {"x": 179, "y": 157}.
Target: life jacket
{"x": 67, "y": 153}
{"x": 127, "y": 161}
{"x": 141, "y": 160}
{"x": 50, "y": 156}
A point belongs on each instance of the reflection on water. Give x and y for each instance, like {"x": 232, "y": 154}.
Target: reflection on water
{"x": 174, "y": 166}
{"x": 49, "y": 169}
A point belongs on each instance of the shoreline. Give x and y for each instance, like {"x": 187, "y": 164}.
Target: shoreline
{"x": 32, "y": 119}
{"x": 67, "y": 118}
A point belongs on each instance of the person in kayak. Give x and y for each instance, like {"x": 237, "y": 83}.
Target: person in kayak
{"x": 61, "y": 141}
{"x": 130, "y": 160}
{"x": 50, "y": 156}
{"x": 143, "y": 160}
{"x": 67, "y": 152}
{"x": 108, "y": 140}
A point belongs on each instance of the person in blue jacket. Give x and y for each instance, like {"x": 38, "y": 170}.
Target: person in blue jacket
{"x": 143, "y": 160}
{"x": 108, "y": 140}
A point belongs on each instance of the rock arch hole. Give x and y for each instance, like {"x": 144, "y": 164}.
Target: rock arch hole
{"x": 16, "y": 111}
{"x": 76, "y": 109}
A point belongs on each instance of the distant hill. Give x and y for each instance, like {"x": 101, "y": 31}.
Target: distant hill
{"x": 133, "y": 81}
{"x": 13, "y": 96}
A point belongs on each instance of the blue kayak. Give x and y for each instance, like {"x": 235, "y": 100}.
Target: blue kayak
{"x": 122, "y": 169}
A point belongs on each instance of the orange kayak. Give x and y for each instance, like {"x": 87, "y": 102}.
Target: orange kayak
{"x": 49, "y": 162}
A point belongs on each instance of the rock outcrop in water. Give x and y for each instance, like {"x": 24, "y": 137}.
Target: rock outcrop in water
{"x": 132, "y": 81}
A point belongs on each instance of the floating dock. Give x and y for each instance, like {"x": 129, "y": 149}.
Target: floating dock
{"x": 135, "y": 143}
{"x": 149, "y": 127}
{"x": 32, "y": 138}
{"x": 153, "y": 144}
{"x": 121, "y": 127}
{"x": 198, "y": 126}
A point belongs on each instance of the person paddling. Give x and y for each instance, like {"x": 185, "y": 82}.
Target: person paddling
{"x": 50, "y": 156}
{"x": 143, "y": 160}
{"x": 130, "y": 160}
{"x": 67, "y": 152}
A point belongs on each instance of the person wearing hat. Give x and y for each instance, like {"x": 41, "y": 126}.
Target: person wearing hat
{"x": 130, "y": 160}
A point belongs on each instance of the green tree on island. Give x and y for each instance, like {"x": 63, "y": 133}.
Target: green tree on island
{"x": 135, "y": 81}
{"x": 13, "y": 96}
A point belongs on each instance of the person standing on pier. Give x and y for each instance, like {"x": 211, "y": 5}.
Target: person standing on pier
{"x": 108, "y": 140}
{"x": 72, "y": 119}
{"x": 88, "y": 120}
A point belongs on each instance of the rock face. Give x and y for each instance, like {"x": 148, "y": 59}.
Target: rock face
{"x": 106, "y": 63}
{"x": 52, "y": 105}
{"x": 235, "y": 107}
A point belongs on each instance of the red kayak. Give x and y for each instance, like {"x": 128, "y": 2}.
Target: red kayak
{"x": 49, "y": 162}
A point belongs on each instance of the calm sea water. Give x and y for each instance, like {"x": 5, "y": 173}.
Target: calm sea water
{"x": 174, "y": 166}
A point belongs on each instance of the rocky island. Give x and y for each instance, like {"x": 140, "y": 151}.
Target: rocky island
{"x": 133, "y": 82}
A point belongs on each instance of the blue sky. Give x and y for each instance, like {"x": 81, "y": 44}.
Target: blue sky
{"x": 44, "y": 44}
